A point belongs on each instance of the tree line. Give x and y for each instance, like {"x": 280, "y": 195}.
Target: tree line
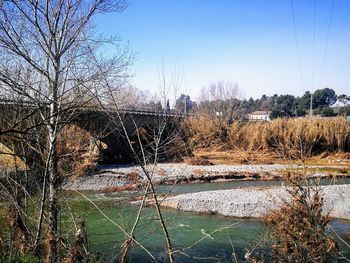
{"x": 225, "y": 99}
{"x": 226, "y": 102}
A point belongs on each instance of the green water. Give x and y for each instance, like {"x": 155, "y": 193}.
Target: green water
{"x": 185, "y": 229}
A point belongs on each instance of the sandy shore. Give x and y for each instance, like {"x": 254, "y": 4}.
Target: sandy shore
{"x": 255, "y": 202}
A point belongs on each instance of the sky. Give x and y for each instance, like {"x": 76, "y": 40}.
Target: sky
{"x": 249, "y": 42}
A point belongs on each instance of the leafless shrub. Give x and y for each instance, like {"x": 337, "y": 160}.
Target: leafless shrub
{"x": 77, "y": 252}
{"x": 79, "y": 151}
{"x": 298, "y": 229}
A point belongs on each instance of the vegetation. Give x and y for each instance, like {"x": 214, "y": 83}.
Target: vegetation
{"x": 297, "y": 231}
{"x": 79, "y": 151}
{"x": 52, "y": 67}
{"x": 225, "y": 98}
{"x": 289, "y": 138}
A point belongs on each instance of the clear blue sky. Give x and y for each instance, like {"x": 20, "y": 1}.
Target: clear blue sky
{"x": 250, "y": 42}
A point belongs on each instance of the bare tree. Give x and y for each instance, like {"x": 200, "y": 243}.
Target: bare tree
{"x": 220, "y": 98}
{"x": 170, "y": 83}
{"x": 141, "y": 158}
{"x": 45, "y": 49}
{"x": 132, "y": 98}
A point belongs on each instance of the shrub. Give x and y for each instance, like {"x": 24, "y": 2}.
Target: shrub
{"x": 297, "y": 229}
{"x": 79, "y": 151}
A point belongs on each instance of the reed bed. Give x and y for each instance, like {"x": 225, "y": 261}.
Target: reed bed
{"x": 297, "y": 138}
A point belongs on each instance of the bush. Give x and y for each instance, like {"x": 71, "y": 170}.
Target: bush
{"x": 79, "y": 151}
{"x": 298, "y": 229}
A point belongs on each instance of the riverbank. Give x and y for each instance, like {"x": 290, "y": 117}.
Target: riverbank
{"x": 117, "y": 177}
{"x": 256, "y": 202}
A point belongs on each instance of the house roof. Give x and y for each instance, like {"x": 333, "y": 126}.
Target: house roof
{"x": 260, "y": 113}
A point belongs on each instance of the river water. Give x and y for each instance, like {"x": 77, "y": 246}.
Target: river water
{"x": 199, "y": 238}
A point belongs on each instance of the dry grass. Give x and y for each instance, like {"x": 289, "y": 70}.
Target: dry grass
{"x": 298, "y": 229}
{"x": 198, "y": 160}
{"x": 287, "y": 138}
{"x": 329, "y": 171}
{"x": 219, "y": 155}
{"x": 333, "y": 159}
{"x": 204, "y": 133}
{"x": 8, "y": 160}
{"x": 79, "y": 151}
{"x": 133, "y": 176}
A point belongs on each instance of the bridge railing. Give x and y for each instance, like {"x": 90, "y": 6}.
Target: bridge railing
{"x": 141, "y": 111}
{"x": 128, "y": 110}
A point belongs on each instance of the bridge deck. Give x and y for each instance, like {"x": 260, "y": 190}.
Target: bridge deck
{"x": 136, "y": 111}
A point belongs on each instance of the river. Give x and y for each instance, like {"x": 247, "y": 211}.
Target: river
{"x": 221, "y": 238}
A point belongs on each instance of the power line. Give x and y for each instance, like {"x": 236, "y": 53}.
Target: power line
{"x": 326, "y": 44}
{"x": 313, "y": 49}
{"x": 297, "y": 45}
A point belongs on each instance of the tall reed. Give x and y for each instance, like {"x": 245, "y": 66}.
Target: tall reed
{"x": 298, "y": 137}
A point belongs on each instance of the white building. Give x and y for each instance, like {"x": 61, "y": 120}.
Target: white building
{"x": 259, "y": 116}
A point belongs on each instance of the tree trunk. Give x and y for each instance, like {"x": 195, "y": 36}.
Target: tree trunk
{"x": 53, "y": 169}
{"x": 52, "y": 184}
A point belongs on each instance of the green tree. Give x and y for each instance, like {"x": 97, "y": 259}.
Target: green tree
{"x": 345, "y": 99}
{"x": 167, "y": 106}
{"x": 324, "y": 98}
{"x": 303, "y": 103}
{"x": 183, "y": 104}
{"x": 284, "y": 106}
{"x": 327, "y": 112}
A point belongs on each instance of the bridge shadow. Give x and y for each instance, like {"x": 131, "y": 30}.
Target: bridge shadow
{"x": 107, "y": 128}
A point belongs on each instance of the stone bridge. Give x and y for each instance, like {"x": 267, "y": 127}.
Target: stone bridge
{"x": 111, "y": 127}
{"x": 106, "y": 126}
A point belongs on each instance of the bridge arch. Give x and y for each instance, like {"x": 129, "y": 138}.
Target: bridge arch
{"x": 108, "y": 129}
{"x": 105, "y": 129}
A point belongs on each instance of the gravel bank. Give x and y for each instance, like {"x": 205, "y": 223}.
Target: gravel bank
{"x": 255, "y": 202}
{"x": 119, "y": 176}
{"x": 96, "y": 182}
